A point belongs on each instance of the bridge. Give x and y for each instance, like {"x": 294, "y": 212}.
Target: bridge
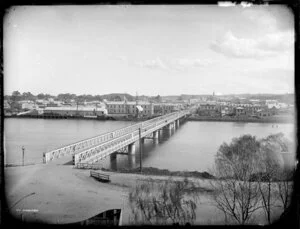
{"x": 94, "y": 149}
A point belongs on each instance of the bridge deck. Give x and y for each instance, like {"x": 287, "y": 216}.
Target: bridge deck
{"x": 122, "y": 137}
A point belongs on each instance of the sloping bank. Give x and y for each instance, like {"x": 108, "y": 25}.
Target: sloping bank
{"x": 164, "y": 172}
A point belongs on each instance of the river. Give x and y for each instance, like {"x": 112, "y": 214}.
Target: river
{"x": 190, "y": 147}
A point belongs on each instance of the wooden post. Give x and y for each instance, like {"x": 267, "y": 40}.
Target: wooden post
{"x": 140, "y": 143}
{"x": 23, "y": 150}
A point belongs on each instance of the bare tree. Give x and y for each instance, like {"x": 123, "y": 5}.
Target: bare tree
{"x": 251, "y": 170}
{"x": 285, "y": 187}
{"x": 164, "y": 202}
{"x": 236, "y": 196}
{"x": 273, "y": 173}
{"x": 269, "y": 171}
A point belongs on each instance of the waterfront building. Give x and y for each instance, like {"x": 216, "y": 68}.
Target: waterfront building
{"x": 75, "y": 111}
{"x": 27, "y": 105}
{"x": 95, "y": 103}
{"x": 209, "y": 109}
{"x": 240, "y": 111}
{"x": 166, "y": 108}
{"x": 264, "y": 113}
{"x": 147, "y": 109}
{"x": 129, "y": 108}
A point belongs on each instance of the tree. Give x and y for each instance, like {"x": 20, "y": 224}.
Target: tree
{"x": 41, "y": 96}
{"x": 269, "y": 165}
{"x": 235, "y": 195}
{"x": 163, "y": 202}
{"x": 251, "y": 176}
{"x": 28, "y": 96}
{"x": 158, "y": 99}
{"x": 282, "y": 174}
{"x": 16, "y": 93}
{"x": 285, "y": 187}
{"x": 15, "y": 96}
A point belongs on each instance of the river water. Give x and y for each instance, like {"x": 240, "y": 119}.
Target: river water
{"x": 190, "y": 147}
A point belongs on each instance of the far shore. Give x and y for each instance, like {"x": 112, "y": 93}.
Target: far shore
{"x": 281, "y": 119}
{"x": 290, "y": 119}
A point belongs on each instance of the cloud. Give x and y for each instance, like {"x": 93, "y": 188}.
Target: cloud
{"x": 153, "y": 64}
{"x": 122, "y": 58}
{"x": 268, "y": 45}
{"x": 272, "y": 18}
{"x": 177, "y": 64}
{"x": 193, "y": 62}
{"x": 276, "y": 41}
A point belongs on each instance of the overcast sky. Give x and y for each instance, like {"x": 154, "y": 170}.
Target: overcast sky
{"x": 151, "y": 50}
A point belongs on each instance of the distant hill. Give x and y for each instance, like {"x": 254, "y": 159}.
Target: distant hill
{"x": 286, "y": 98}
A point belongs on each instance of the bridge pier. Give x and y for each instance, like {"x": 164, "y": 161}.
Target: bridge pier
{"x": 131, "y": 161}
{"x": 113, "y": 161}
{"x": 155, "y": 134}
{"x": 177, "y": 122}
{"x": 174, "y": 125}
{"x": 131, "y": 149}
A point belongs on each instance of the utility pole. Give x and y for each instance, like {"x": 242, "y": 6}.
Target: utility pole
{"x": 140, "y": 143}
{"x": 23, "y": 150}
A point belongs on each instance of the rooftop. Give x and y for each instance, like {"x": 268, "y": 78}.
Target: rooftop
{"x": 74, "y": 108}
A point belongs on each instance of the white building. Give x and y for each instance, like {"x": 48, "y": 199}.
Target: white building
{"x": 75, "y": 111}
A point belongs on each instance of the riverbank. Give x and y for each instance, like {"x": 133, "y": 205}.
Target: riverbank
{"x": 56, "y": 193}
{"x": 164, "y": 172}
{"x": 59, "y": 194}
{"x": 273, "y": 119}
{"x": 100, "y": 118}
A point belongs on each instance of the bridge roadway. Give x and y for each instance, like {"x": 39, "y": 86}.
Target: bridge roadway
{"x": 96, "y": 148}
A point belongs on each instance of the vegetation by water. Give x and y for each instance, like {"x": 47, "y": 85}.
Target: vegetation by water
{"x": 249, "y": 176}
{"x": 239, "y": 194}
{"x": 165, "y": 172}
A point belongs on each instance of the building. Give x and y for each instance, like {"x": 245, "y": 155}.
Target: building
{"x": 75, "y": 111}
{"x": 209, "y": 109}
{"x": 129, "y": 108}
{"x": 264, "y": 113}
{"x": 27, "y": 105}
{"x": 254, "y": 101}
{"x": 239, "y": 111}
{"x": 166, "y": 108}
{"x": 143, "y": 108}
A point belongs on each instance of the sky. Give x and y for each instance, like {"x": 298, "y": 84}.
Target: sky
{"x": 149, "y": 50}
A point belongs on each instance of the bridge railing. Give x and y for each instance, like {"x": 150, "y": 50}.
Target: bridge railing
{"x": 94, "y": 154}
{"x": 72, "y": 149}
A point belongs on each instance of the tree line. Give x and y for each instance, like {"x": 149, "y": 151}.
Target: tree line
{"x": 18, "y": 96}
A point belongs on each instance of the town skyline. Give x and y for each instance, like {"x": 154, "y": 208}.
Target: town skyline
{"x": 152, "y": 95}
{"x": 152, "y": 50}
